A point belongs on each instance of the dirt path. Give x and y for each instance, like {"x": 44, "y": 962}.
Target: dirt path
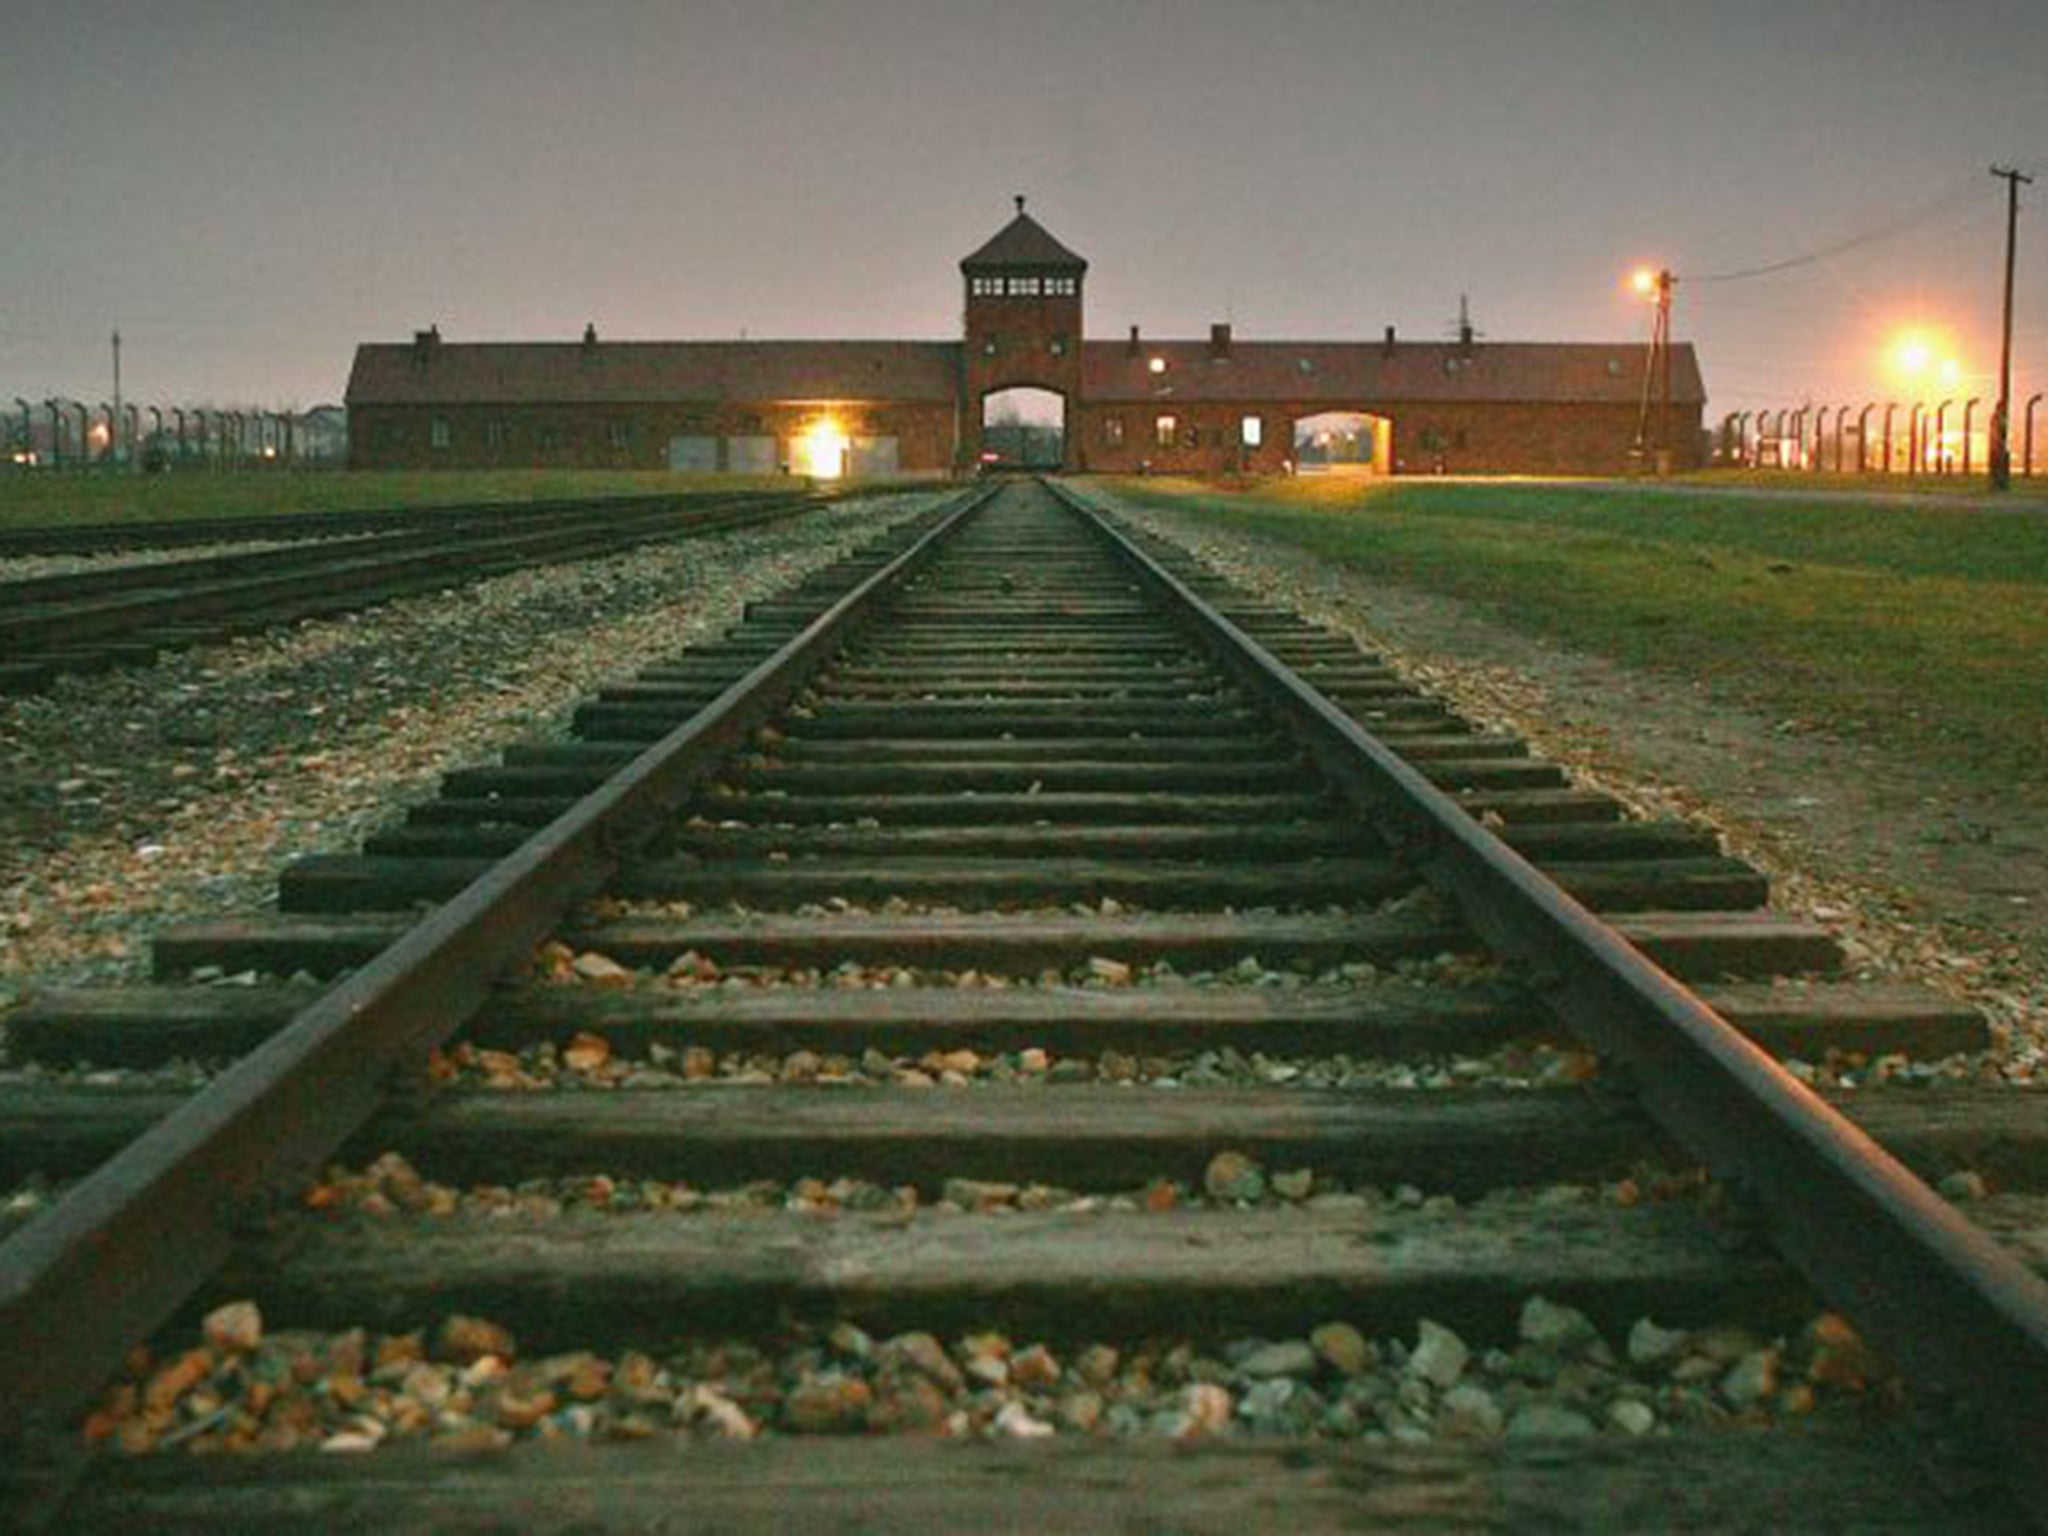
{"x": 1924, "y": 878}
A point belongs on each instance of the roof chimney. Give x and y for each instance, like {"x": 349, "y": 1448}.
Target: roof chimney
{"x": 423, "y": 344}
{"x": 590, "y": 333}
{"x": 1131, "y": 348}
{"x": 1387, "y": 346}
{"x": 1219, "y": 341}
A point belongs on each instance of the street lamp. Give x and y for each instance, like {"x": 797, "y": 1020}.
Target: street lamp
{"x": 1655, "y": 284}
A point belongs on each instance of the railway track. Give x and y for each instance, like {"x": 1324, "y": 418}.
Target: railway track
{"x": 128, "y": 615}
{"x": 1075, "y": 950}
{"x": 170, "y": 533}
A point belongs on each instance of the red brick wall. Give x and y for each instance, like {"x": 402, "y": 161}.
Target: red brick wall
{"x": 1010, "y": 342}
{"x": 580, "y": 436}
{"x": 1471, "y": 438}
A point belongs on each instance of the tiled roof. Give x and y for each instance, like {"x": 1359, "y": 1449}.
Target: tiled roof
{"x": 1341, "y": 371}
{"x": 1023, "y": 242}
{"x": 632, "y": 372}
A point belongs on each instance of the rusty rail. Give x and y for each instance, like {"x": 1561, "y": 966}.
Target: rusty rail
{"x": 1942, "y": 1299}
{"x": 120, "y": 1252}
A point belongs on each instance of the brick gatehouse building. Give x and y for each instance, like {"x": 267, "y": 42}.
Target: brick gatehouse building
{"x": 917, "y": 407}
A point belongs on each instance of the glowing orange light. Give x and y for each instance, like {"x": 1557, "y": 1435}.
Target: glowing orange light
{"x": 1644, "y": 281}
{"x": 821, "y": 451}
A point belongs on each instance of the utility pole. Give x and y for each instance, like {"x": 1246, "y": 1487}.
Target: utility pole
{"x": 1656, "y": 286}
{"x": 113, "y": 424}
{"x": 2001, "y": 419}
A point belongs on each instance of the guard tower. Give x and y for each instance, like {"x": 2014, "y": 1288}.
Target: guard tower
{"x": 1022, "y": 328}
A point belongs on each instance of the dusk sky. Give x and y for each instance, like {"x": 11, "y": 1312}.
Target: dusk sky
{"x": 248, "y": 190}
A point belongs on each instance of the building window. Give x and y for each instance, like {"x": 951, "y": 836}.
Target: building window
{"x": 1165, "y": 430}
{"x": 1024, "y": 287}
{"x": 1057, "y": 346}
{"x": 1252, "y": 431}
{"x": 1112, "y": 431}
{"x": 988, "y": 346}
{"x": 550, "y": 439}
{"x": 622, "y": 436}
{"x": 494, "y": 434}
{"x": 437, "y": 431}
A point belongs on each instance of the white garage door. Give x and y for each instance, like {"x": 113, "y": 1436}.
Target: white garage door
{"x": 693, "y": 455}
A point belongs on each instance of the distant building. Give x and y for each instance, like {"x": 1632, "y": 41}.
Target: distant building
{"x": 919, "y": 407}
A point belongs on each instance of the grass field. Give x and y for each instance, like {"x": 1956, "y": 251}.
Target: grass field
{"x": 2024, "y": 487}
{"x": 37, "y": 500}
{"x": 1921, "y": 627}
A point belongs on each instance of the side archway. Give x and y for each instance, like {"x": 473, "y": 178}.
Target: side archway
{"x": 1343, "y": 443}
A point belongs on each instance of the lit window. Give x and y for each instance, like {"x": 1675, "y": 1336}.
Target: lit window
{"x": 1112, "y": 431}
{"x": 437, "y": 431}
{"x": 1024, "y": 287}
{"x": 1252, "y": 431}
{"x": 1157, "y": 365}
{"x": 988, "y": 347}
{"x": 1164, "y": 430}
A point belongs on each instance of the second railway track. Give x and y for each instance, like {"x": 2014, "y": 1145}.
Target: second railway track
{"x": 1061, "y": 934}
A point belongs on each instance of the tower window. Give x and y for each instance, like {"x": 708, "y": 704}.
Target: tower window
{"x": 1024, "y": 287}
{"x": 1057, "y": 346}
{"x": 1112, "y": 431}
{"x": 985, "y": 287}
{"x": 1062, "y": 287}
{"x": 1165, "y": 429}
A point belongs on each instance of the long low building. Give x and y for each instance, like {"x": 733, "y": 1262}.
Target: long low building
{"x": 1022, "y": 384}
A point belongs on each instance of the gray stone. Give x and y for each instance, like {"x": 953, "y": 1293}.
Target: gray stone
{"x": 1632, "y": 1417}
{"x": 1650, "y": 1345}
{"x": 1439, "y": 1355}
{"x": 1560, "y": 1327}
{"x": 1751, "y": 1379}
{"x": 1469, "y": 1410}
{"x": 1290, "y": 1357}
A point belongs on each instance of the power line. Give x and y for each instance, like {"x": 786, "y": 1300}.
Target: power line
{"x": 1938, "y": 208}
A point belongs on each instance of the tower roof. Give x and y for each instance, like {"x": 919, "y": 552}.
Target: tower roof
{"x": 1023, "y": 242}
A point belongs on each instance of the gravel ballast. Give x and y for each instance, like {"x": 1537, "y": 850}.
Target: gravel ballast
{"x": 1603, "y": 723}
{"x": 176, "y": 791}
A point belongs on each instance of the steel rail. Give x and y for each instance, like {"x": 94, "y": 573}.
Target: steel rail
{"x": 122, "y": 1250}
{"x": 1941, "y": 1298}
{"x": 367, "y": 567}
{"x": 157, "y": 533}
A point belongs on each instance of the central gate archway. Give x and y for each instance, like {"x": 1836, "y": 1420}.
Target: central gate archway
{"x": 1023, "y": 427}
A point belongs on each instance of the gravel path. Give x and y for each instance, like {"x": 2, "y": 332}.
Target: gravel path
{"x": 26, "y": 567}
{"x": 1918, "y": 886}
{"x": 140, "y": 797}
